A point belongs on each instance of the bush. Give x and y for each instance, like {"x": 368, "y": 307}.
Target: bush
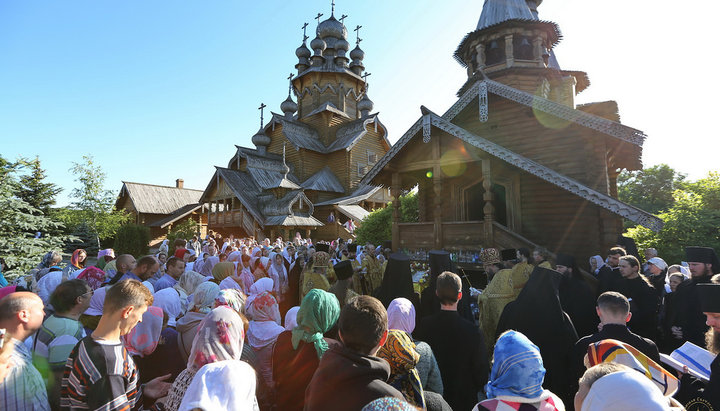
{"x": 377, "y": 226}
{"x": 185, "y": 230}
{"x": 132, "y": 239}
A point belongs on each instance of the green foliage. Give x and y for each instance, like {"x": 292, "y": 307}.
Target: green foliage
{"x": 185, "y": 230}
{"x": 650, "y": 189}
{"x": 93, "y": 205}
{"x": 132, "y": 239}
{"x": 35, "y": 191}
{"x": 85, "y": 239}
{"x": 692, "y": 220}
{"x": 377, "y": 226}
{"x": 19, "y": 221}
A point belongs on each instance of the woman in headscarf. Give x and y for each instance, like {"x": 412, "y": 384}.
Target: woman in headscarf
{"x": 235, "y": 300}
{"x": 208, "y": 389}
{"x": 262, "y": 264}
{"x": 203, "y": 300}
{"x": 164, "y": 247}
{"x": 516, "y": 377}
{"x": 47, "y": 284}
{"x": 208, "y": 266}
{"x": 260, "y": 286}
{"x": 219, "y": 337}
{"x": 279, "y": 275}
{"x": 264, "y": 315}
{"x": 291, "y": 318}
{"x": 596, "y": 263}
{"x": 94, "y": 276}
{"x": 168, "y": 299}
{"x": 77, "y": 262}
{"x": 538, "y": 315}
{"x": 314, "y": 274}
{"x": 399, "y": 352}
{"x": 297, "y": 353}
{"x": 104, "y": 257}
{"x": 222, "y": 270}
{"x": 153, "y": 354}
{"x": 189, "y": 282}
{"x": 401, "y": 316}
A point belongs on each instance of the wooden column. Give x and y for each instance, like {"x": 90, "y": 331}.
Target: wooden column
{"x": 488, "y": 208}
{"x": 509, "y": 53}
{"x": 437, "y": 190}
{"x": 395, "y": 193}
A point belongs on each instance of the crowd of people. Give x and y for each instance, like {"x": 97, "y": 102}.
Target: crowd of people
{"x": 225, "y": 323}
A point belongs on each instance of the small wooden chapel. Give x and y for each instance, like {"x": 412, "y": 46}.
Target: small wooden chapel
{"x": 514, "y": 162}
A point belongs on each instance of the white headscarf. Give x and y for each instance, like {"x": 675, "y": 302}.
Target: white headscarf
{"x": 624, "y": 391}
{"x": 204, "y": 297}
{"x": 401, "y": 315}
{"x": 48, "y": 284}
{"x": 260, "y": 286}
{"x": 291, "y": 318}
{"x": 599, "y": 262}
{"x": 169, "y": 300}
{"x": 96, "y": 302}
{"x": 209, "y": 390}
{"x": 228, "y": 282}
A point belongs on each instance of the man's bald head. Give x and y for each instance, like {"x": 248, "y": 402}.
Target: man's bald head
{"x": 13, "y": 303}
{"x": 125, "y": 263}
{"x": 21, "y": 314}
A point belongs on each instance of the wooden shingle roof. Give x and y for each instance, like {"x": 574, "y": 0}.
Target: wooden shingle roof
{"x": 154, "y": 199}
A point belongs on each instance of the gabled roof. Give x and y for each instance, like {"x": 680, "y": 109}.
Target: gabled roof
{"x": 597, "y": 123}
{"x": 293, "y": 221}
{"x": 301, "y": 135}
{"x": 177, "y": 215}
{"x": 268, "y": 170}
{"x": 362, "y": 192}
{"x": 430, "y": 119}
{"x": 283, "y": 206}
{"x": 243, "y": 187}
{"x": 324, "y": 180}
{"x": 329, "y": 107}
{"x": 154, "y": 199}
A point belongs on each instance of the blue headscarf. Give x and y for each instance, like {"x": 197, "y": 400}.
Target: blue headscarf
{"x": 517, "y": 368}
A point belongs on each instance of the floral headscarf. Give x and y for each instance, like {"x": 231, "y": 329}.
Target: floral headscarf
{"x": 189, "y": 281}
{"x": 264, "y": 314}
{"x": 399, "y": 352}
{"x": 94, "y": 276}
{"x": 144, "y": 337}
{"x": 260, "y": 286}
{"x": 168, "y": 300}
{"x": 389, "y": 404}
{"x": 232, "y": 298}
{"x": 204, "y": 297}
{"x": 319, "y": 311}
{"x": 219, "y": 337}
{"x": 401, "y": 315}
{"x": 222, "y": 270}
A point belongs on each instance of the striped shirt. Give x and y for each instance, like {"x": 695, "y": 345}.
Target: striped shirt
{"x": 23, "y": 387}
{"x": 55, "y": 340}
{"x": 100, "y": 376}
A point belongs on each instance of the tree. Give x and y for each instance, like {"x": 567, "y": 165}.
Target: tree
{"x": 377, "y": 226}
{"x": 692, "y": 220}
{"x": 185, "y": 230}
{"x": 94, "y": 204}
{"x": 35, "y": 191}
{"x": 132, "y": 239}
{"x": 19, "y": 221}
{"x": 650, "y": 189}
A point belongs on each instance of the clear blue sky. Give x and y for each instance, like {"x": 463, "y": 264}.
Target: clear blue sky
{"x": 158, "y": 90}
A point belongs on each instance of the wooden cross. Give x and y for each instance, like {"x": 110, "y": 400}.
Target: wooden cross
{"x": 344, "y": 16}
{"x": 357, "y": 33}
{"x": 332, "y": 5}
{"x": 318, "y": 17}
{"x": 261, "y": 108}
{"x": 365, "y": 76}
{"x": 290, "y": 86}
{"x": 305, "y": 37}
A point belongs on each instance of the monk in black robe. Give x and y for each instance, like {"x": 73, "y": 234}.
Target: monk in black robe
{"x": 577, "y": 296}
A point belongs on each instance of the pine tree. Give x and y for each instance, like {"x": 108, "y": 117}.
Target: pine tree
{"x": 35, "y": 191}
{"x": 18, "y": 223}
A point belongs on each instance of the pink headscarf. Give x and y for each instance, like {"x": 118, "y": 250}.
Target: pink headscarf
{"x": 144, "y": 337}
{"x": 94, "y": 276}
{"x": 219, "y": 337}
{"x": 208, "y": 266}
{"x": 264, "y": 314}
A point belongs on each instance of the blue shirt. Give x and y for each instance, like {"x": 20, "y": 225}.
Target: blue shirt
{"x": 129, "y": 276}
{"x": 166, "y": 281}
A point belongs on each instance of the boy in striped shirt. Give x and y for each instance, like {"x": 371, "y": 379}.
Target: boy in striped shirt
{"x": 100, "y": 374}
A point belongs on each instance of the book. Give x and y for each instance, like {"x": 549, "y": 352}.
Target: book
{"x": 689, "y": 355}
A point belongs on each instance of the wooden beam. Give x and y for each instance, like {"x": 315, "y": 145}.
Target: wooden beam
{"x": 395, "y": 193}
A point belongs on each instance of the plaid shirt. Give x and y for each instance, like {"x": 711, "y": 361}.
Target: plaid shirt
{"x": 23, "y": 387}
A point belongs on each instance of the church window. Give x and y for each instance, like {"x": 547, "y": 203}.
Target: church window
{"x": 372, "y": 157}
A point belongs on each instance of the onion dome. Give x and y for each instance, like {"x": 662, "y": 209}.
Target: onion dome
{"x": 288, "y": 107}
{"x": 331, "y": 28}
{"x": 260, "y": 139}
{"x": 365, "y": 105}
{"x": 318, "y": 45}
{"x": 357, "y": 53}
{"x": 343, "y": 45}
{"x": 302, "y": 52}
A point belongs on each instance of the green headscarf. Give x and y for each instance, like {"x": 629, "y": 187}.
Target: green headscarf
{"x": 319, "y": 311}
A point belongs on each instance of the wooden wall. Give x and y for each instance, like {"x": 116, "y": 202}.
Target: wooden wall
{"x": 370, "y": 142}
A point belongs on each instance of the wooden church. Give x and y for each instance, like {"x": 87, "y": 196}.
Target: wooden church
{"x": 304, "y": 173}
{"x": 514, "y": 162}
